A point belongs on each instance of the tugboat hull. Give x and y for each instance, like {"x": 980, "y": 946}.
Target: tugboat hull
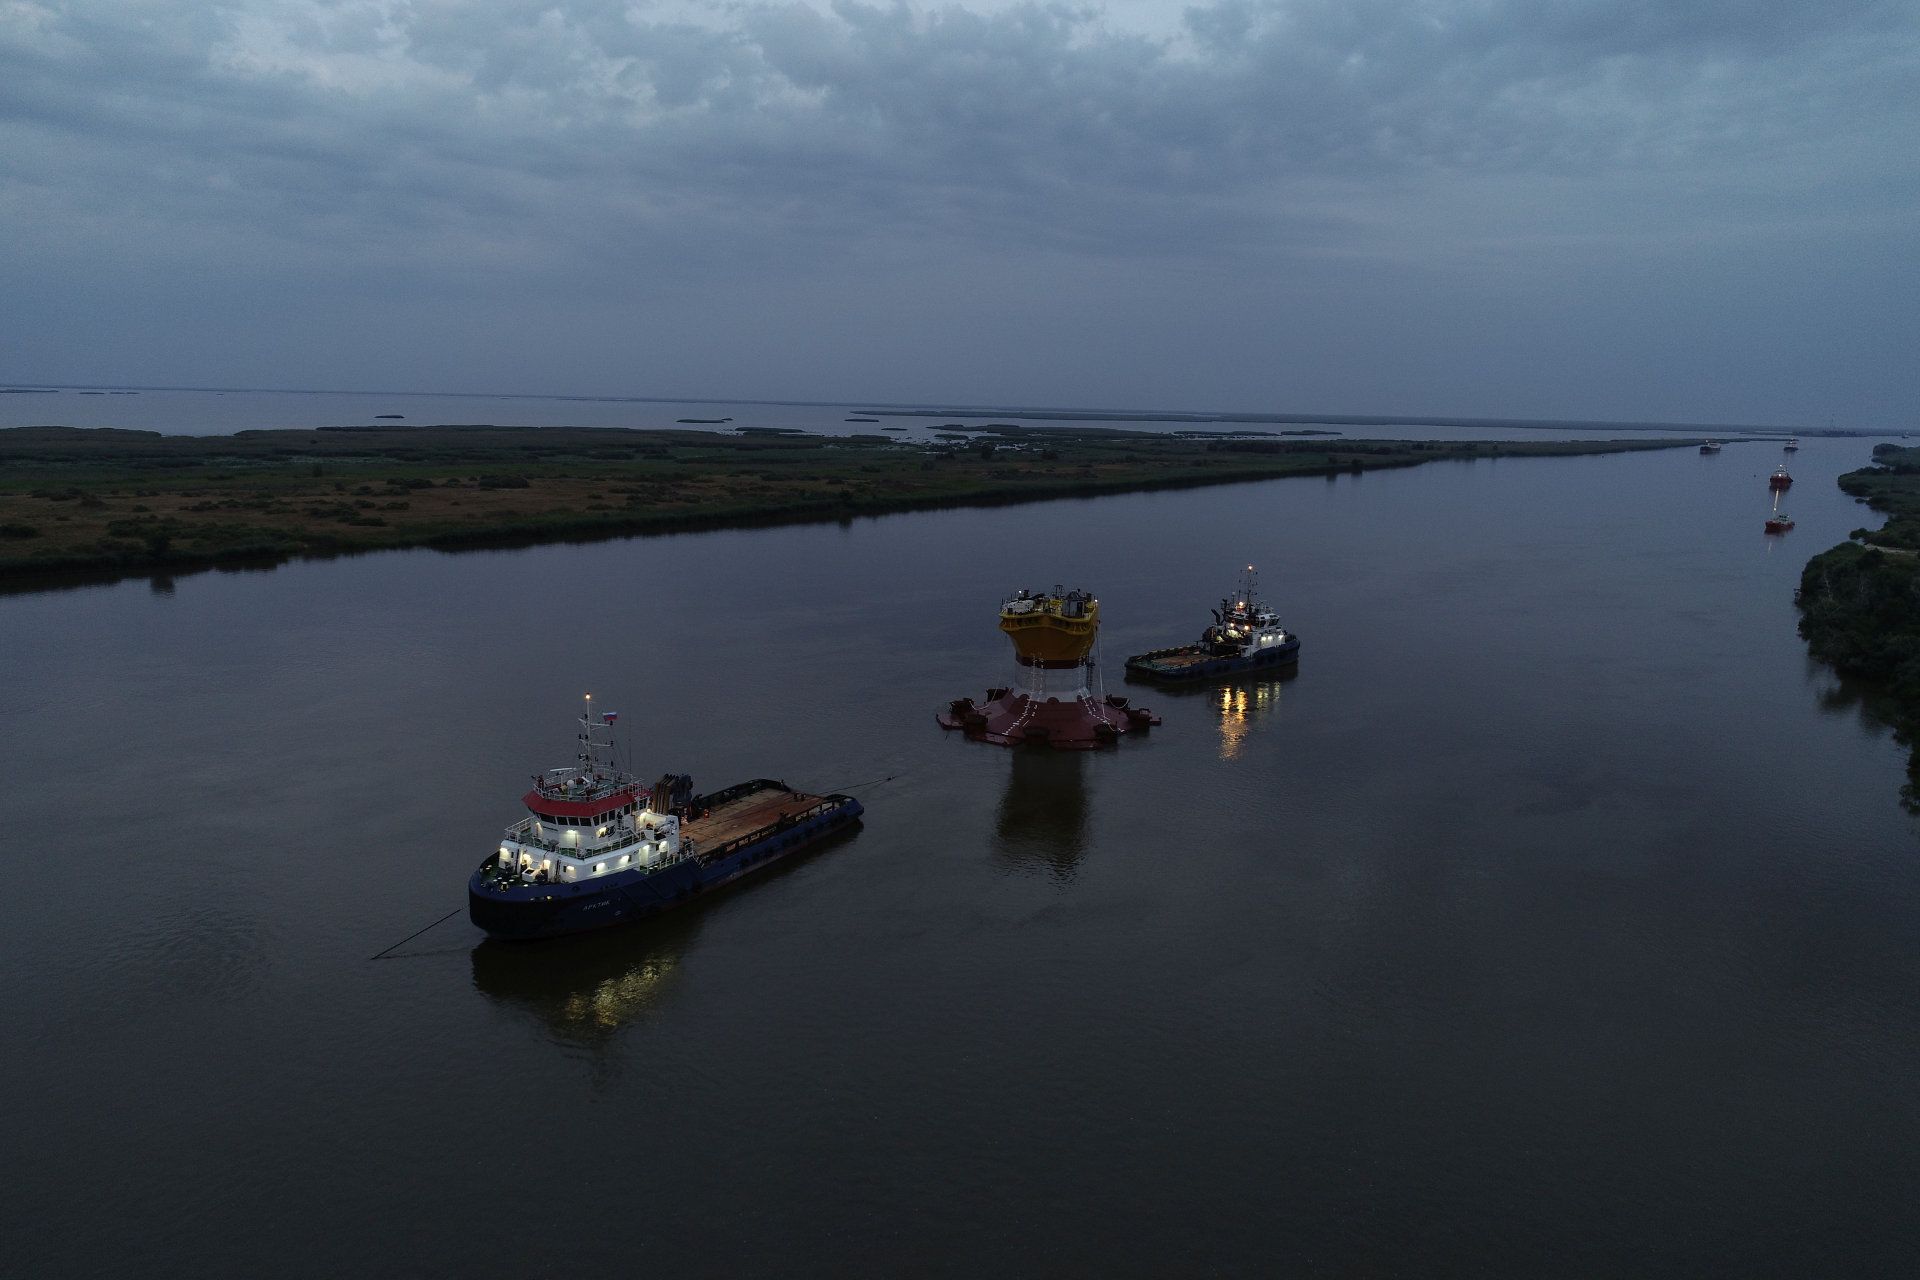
{"x": 1185, "y": 664}
{"x": 523, "y": 912}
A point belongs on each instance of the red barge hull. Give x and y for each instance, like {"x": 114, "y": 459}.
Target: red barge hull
{"x": 1009, "y": 718}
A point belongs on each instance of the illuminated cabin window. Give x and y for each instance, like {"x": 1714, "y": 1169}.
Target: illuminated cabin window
{"x": 598, "y": 867}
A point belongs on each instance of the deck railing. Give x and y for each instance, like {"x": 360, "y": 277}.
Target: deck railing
{"x": 522, "y": 833}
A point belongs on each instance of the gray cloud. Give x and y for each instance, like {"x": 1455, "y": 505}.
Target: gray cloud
{"x": 622, "y": 163}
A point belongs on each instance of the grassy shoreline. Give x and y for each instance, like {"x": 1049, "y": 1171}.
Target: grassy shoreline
{"x": 1860, "y": 601}
{"x": 92, "y": 504}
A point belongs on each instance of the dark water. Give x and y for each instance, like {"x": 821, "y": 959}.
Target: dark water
{"x": 1558, "y": 918}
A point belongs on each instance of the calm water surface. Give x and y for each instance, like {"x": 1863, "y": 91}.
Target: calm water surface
{"x": 1558, "y": 918}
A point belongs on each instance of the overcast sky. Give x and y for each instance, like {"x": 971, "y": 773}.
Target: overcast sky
{"x": 1666, "y": 209}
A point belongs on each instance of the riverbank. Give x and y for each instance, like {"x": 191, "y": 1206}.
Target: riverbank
{"x": 84, "y": 504}
{"x": 1860, "y": 601}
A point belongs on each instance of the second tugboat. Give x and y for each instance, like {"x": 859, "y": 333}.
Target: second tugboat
{"x": 600, "y": 848}
{"x": 1245, "y": 636}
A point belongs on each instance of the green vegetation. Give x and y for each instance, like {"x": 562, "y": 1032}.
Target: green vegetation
{"x": 1860, "y": 601}
{"x": 102, "y": 502}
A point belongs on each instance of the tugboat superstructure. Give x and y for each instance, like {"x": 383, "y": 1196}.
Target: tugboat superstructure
{"x": 1246, "y": 635}
{"x": 598, "y": 847}
{"x": 1053, "y": 698}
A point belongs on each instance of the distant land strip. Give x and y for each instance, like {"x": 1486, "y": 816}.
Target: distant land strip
{"x": 1860, "y": 601}
{"x": 88, "y": 504}
{"x": 1036, "y": 413}
{"x": 1349, "y": 420}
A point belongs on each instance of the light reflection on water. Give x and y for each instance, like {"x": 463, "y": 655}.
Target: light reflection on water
{"x": 585, "y": 988}
{"x": 1242, "y": 705}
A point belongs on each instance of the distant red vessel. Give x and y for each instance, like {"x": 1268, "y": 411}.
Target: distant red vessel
{"x": 1779, "y": 522}
{"x": 1779, "y": 479}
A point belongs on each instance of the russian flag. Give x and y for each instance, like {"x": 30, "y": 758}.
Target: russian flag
{"x": 609, "y": 716}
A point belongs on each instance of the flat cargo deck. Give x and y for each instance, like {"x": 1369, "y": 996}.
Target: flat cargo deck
{"x": 1178, "y": 658}
{"x": 745, "y": 814}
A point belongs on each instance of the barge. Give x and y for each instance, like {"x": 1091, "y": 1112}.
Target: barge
{"x": 1053, "y": 700}
{"x": 1245, "y": 636}
{"x": 600, "y": 848}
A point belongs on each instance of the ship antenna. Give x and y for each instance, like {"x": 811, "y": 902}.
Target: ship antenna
{"x": 586, "y": 736}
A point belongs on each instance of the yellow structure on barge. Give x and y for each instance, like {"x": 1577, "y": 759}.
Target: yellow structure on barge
{"x": 1055, "y": 631}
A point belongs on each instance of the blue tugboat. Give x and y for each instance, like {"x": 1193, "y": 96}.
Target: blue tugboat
{"x": 1245, "y": 636}
{"x": 600, "y": 848}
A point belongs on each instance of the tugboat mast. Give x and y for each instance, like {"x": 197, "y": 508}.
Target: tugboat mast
{"x": 587, "y": 762}
{"x": 596, "y": 742}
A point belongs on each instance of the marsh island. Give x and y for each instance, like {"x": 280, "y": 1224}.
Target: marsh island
{"x": 108, "y": 501}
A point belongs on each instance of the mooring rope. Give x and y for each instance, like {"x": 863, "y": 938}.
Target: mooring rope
{"x": 416, "y": 933}
{"x": 876, "y": 782}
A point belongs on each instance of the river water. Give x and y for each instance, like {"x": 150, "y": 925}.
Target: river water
{"x": 1558, "y": 917}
